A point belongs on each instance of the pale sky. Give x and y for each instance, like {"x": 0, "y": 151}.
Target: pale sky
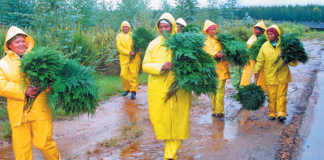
{"x": 157, "y": 3}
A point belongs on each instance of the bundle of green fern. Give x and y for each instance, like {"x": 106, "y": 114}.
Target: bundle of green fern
{"x": 75, "y": 89}
{"x": 291, "y": 49}
{"x": 234, "y": 50}
{"x": 251, "y": 97}
{"x": 191, "y": 28}
{"x": 141, "y": 39}
{"x": 193, "y": 68}
{"x": 40, "y": 68}
{"x": 255, "y": 48}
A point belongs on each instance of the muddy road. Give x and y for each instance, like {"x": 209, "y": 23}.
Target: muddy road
{"x": 120, "y": 129}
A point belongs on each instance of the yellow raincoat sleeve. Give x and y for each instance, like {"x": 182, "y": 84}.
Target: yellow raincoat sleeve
{"x": 260, "y": 61}
{"x": 293, "y": 63}
{"x": 120, "y": 47}
{"x": 149, "y": 66}
{"x": 10, "y": 89}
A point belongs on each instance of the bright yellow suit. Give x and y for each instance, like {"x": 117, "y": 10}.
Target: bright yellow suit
{"x": 28, "y": 128}
{"x": 212, "y": 47}
{"x": 129, "y": 68}
{"x": 248, "y": 68}
{"x": 170, "y": 120}
{"x": 276, "y": 82}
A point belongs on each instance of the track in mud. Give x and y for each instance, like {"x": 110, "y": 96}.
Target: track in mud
{"x": 241, "y": 135}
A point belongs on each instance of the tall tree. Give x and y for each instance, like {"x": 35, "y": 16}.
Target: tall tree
{"x": 134, "y": 11}
{"x": 16, "y": 12}
{"x": 228, "y": 9}
{"x": 187, "y": 9}
{"x": 51, "y": 14}
{"x": 213, "y": 10}
{"x": 166, "y": 7}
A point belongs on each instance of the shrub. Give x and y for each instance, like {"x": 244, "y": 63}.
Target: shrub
{"x": 242, "y": 32}
{"x": 297, "y": 29}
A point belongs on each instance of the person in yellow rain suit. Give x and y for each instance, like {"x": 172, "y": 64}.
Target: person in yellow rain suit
{"x": 129, "y": 60}
{"x": 28, "y": 128}
{"x": 170, "y": 119}
{"x": 276, "y": 82}
{"x": 247, "y": 73}
{"x": 257, "y": 30}
{"x": 180, "y": 24}
{"x": 214, "y": 48}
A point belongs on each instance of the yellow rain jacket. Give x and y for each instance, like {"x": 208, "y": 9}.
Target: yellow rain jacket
{"x": 170, "y": 119}
{"x": 129, "y": 68}
{"x": 276, "y": 82}
{"x": 23, "y": 123}
{"x": 266, "y": 58}
{"x": 213, "y": 46}
{"x": 248, "y": 68}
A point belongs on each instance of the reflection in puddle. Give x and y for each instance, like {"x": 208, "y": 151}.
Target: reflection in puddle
{"x": 228, "y": 128}
{"x": 6, "y": 153}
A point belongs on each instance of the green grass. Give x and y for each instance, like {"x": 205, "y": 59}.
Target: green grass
{"x": 313, "y": 35}
{"x": 110, "y": 85}
{"x": 5, "y": 130}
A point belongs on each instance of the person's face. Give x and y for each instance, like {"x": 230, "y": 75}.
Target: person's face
{"x": 179, "y": 28}
{"x": 272, "y": 36}
{"x": 257, "y": 31}
{"x": 125, "y": 29}
{"x": 165, "y": 27}
{"x": 18, "y": 45}
{"x": 211, "y": 32}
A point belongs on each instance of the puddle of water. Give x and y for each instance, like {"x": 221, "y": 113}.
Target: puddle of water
{"x": 6, "y": 153}
{"x": 313, "y": 146}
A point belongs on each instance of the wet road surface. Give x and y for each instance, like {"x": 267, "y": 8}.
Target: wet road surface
{"x": 312, "y": 129}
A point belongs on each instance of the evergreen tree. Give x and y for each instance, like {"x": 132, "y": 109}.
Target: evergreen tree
{"x": 187, "y": 9}
{"x": 166, "y": 7}
{"x": 16, "y": 12}
{"x": 228, "y": 9}
{"x": 213, "y": 10}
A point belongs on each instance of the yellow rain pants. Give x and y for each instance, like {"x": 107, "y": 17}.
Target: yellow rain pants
{"x": 171, "y": 149}
{"x": 218, "y": 99}
{"x": 37, "y": 133}
{"x": 277, "y": 99}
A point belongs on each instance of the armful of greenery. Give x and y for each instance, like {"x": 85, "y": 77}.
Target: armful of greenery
{"x": 254, "y": 50}
{"x": 291, "y": 49}
{"x": 234, "y": 50}
{"x": 40, "y": 67}
{"x": 194, "y": 69}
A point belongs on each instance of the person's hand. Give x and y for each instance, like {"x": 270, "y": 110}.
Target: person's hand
{"x": 50, "y": 88}
{"x": 167, "y": 66}
{"x": 31, "y": 92}
{"x": 219, "y": 55}
{"x": 256, "y": 76}
{"x": 132, "y": 53}
{"x": 295, "y": 61}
